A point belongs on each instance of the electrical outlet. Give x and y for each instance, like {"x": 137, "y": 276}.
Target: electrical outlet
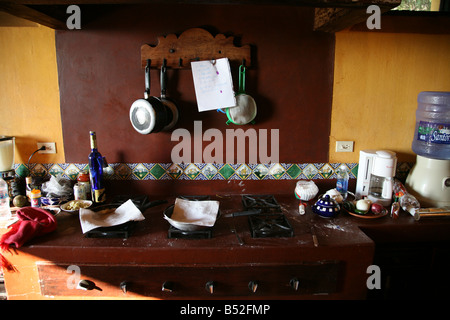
{"x": 50, "y": 147}
{"x": 344, "y": 146}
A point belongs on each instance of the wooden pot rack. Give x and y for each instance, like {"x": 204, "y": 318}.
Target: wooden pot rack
{"x": 193, "y": 45}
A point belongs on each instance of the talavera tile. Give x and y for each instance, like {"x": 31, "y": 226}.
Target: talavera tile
{"x": 201, "y": 171}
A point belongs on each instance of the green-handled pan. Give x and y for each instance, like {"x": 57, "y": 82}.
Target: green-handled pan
{"x": 245, "y": 110}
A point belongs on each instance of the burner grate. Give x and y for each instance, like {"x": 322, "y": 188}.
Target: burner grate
{"x": 266, "y": 203}
{"x": 270, "y": 225}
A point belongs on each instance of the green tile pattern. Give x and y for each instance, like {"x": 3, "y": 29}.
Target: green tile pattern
{"x": 201, "y": 171}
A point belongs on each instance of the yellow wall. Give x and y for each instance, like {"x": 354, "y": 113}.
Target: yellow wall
{"x": 29, "y": 93}
{"x": 377, "y": 78}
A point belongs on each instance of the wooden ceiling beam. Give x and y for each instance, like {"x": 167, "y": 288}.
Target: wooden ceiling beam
{"x": 330, "y": 15}
{"x": 28, "y": 13}
{"x": 310, "y": 3}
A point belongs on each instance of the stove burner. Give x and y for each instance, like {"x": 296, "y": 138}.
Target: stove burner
{"x": 175, "y": 233}
{"x": 123, "y": 230}
{"x": 270, "y": 225}
{"x": 266, "y": 203}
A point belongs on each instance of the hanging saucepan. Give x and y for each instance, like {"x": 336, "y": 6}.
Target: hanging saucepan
{"x": 169, "y": 103}
{"x": 148, "y": 115}
{"x": 245, "y": 110}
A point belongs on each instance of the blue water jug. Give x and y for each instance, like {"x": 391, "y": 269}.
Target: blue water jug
{"x": 432, "y": 133}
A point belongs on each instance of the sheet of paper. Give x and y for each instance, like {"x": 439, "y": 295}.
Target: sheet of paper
{"x": 107, "y": 218}
{"x": 213, "y": 84}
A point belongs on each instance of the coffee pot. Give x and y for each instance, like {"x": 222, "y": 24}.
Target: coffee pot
{"x": 382, "y": 177}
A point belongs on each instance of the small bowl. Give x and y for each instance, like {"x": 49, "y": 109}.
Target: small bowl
{"x": 180, "y": 225}
{"x": 326, "y": 207}
{"x": 305, "y": 190}
{"x": 75, "y": 205}
{"x": 50, "y": 201}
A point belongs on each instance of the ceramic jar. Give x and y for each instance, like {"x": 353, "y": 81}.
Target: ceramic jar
{"x": 326, "y": 207}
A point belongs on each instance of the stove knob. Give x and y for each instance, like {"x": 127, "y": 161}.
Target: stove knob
{"x": 88, "y": 285}
{"x": 167, "y": 286}
{"x": 253, "y": 286}
{"x": 210, "y": 286}
{"x": 124, "y": 286}
{"x": 294, "y": 283}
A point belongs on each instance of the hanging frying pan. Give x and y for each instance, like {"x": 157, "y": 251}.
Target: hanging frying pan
{"x": 148, "y": 115}
{"x": 245, "y": 110}
{"x": 169, "y": 103}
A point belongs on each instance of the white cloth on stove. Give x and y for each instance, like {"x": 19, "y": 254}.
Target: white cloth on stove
{"x": 201, "y": 213}
{"x": 90, "y": 219}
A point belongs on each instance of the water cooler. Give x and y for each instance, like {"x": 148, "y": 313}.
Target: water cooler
{"x": 429, "y": 179}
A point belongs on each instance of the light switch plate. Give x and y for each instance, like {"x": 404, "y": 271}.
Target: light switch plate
{"x": 344, "y": 146}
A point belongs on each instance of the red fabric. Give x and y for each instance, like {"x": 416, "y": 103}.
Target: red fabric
{"x": 32, "y": 222}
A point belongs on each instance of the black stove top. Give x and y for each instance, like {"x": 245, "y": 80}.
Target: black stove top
{"x": 270, "y": 222}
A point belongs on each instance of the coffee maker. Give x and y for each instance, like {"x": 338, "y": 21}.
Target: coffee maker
{"x": 376, "y": 173}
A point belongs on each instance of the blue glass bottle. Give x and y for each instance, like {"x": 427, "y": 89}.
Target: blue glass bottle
{"x": 96, "y": 171}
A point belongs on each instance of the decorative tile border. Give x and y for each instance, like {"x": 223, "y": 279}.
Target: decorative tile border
{"x": 201, "y": 171}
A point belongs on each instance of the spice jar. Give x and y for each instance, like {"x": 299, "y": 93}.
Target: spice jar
{"x": 84, "y": 183}
{"x": 35, "y": 197}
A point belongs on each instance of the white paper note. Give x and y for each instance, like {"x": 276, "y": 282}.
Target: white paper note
{"x": 213, "y": 84}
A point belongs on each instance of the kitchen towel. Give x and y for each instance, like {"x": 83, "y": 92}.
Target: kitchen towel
{"x": 109, "y": 217}
{"x": 32, "y": 222}
{"x": 201, "y": 213}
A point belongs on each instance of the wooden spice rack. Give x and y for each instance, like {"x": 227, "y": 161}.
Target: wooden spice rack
{"x": 194, "y": 44}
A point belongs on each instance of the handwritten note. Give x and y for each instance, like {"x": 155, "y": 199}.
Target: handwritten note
{"x": 213, "y": 84}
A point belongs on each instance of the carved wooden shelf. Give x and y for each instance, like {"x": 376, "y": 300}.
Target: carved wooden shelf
{"x": 193, "y": 45}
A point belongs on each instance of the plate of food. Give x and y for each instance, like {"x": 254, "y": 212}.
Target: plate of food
{"x": 365, "y": 209}
{"x": 74, "y": 206}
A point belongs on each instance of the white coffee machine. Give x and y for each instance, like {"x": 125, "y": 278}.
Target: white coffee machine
{"x": 376, "y": 173}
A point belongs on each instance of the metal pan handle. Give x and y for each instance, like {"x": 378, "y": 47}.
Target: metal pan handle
{"x": 163, "y": 79}
{"x": 147, "y": 79}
